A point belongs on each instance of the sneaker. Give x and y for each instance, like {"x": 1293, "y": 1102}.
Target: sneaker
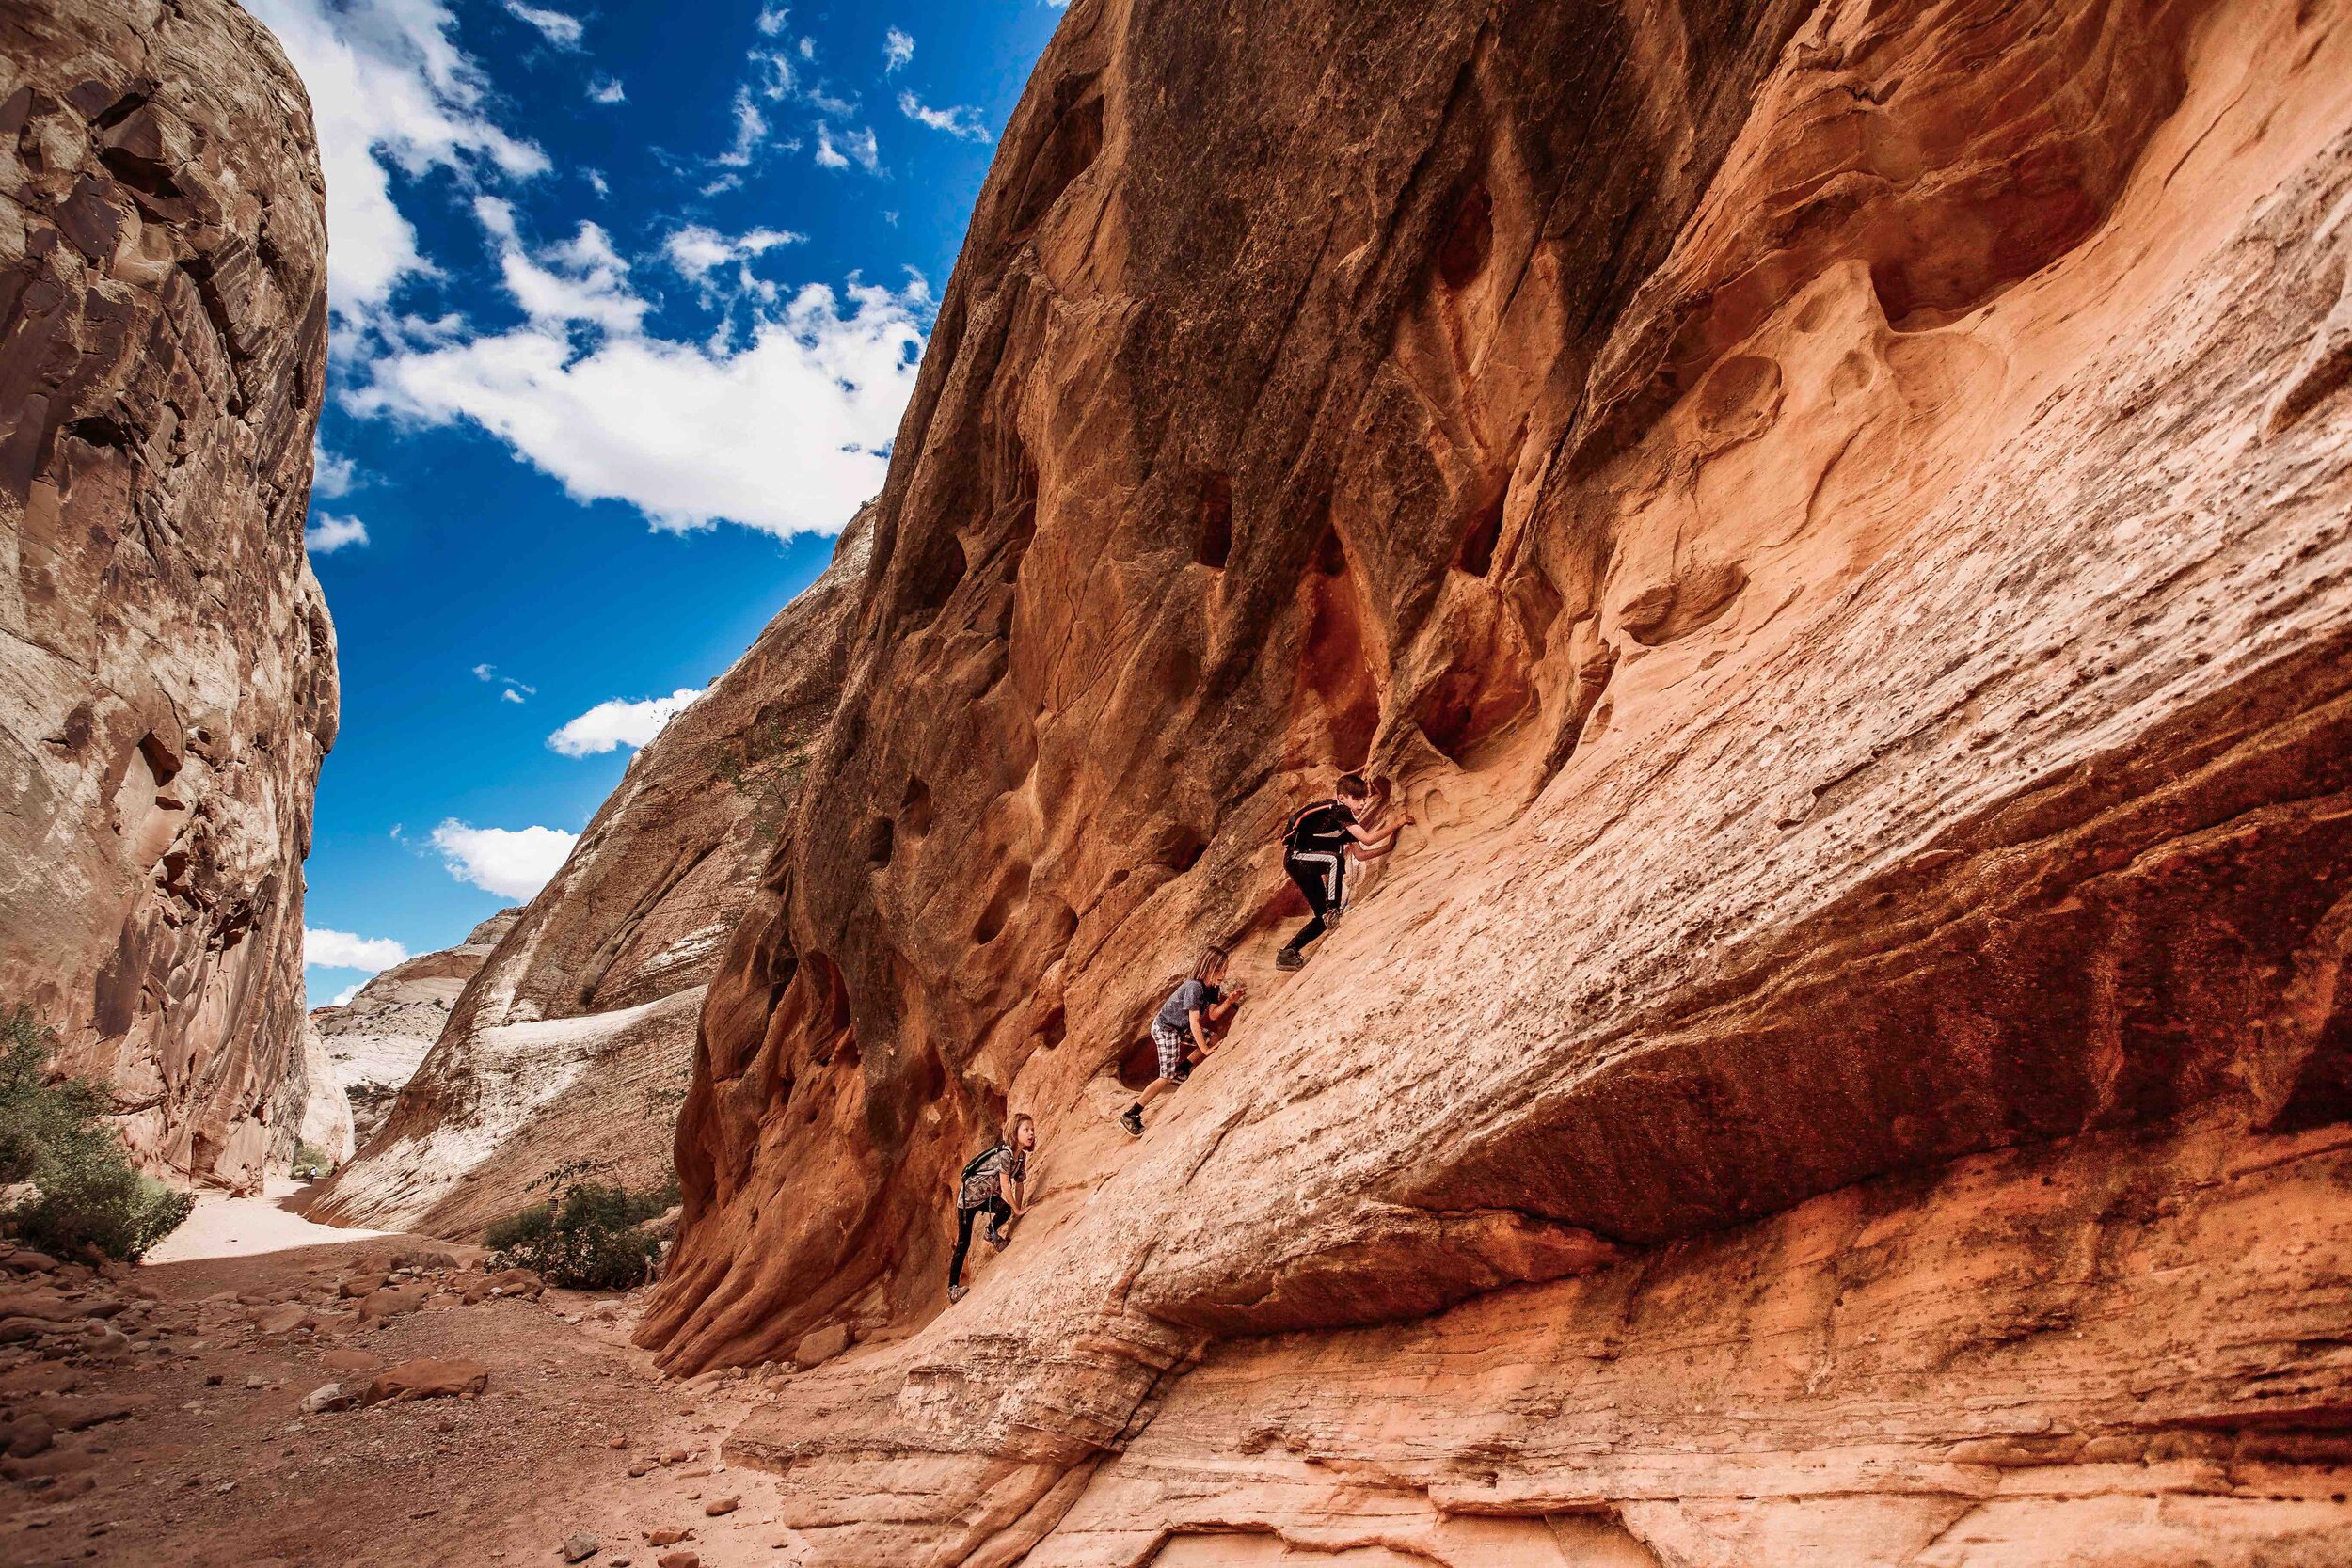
{"x": 1133, "y": 1122}
{"x": 1331, "y": 919}
{"x": 997, "y": 1239}
{"x": 1290, "y": 958}
{"x": 1184, "y": 1071}
{"x": 956, "y": 1292}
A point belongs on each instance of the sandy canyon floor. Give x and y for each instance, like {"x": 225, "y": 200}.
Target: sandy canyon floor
{"x": 165, "y": 1409}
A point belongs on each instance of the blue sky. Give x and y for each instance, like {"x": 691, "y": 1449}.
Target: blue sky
{"x": 627, "y": 304}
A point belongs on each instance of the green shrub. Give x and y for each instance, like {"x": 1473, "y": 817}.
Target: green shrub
{"x": 52, "y": 1135}
{"x": 590, "y": 1238}
{"x": 309, "y": 1162}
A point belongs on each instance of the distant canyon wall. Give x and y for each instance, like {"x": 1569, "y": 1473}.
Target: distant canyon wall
{"x": 568, "y": 1044}
{"x": 1833, "y": 514}
{"x": 168, "y": 688}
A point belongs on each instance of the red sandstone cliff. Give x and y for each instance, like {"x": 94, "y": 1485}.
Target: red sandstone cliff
{"x": 1835, "y": 515}
{"x": 572, "y": 1042}
{"x": 169, "y": 686}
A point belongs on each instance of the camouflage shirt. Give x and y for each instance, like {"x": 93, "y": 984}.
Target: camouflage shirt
{"x": 985, "y": 1177}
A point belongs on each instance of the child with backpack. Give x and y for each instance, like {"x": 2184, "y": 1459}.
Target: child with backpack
{"x": 1180, "y": 1031}
{"x": 1317, "y": 842}
{"x": 991, "y": 1184}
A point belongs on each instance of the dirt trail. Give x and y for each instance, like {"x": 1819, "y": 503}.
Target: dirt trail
{"x": 177, "y": 1434}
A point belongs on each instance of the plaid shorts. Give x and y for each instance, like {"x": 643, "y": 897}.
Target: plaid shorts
{"x": 1172, "y": 1044}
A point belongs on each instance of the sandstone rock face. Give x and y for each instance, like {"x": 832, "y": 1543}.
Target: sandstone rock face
{"x": 375, "y": 1040}
{"x": 168, "y": 687}
{"x": 571, "y": 1048}
{"x": 326, "y": 1124}
{"x": 1833, "y": 515}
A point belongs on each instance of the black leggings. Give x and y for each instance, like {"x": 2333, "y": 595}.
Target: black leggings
{"x": 999, "y": 1212}
{"x": 1321, "y": 876}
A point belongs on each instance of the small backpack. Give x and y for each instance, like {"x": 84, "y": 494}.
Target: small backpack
{"x": 1290, "y": 829}
{"x": 984, "y": 1157}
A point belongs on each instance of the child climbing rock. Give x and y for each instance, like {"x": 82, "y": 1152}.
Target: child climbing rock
{"x": 1180, "y": 1031}
{"x": 1317, "y": 844}
{"x": 991, "y": 1184}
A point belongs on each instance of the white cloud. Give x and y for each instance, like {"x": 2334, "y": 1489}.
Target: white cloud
{"x": 957, "y": 122}
{"x": 860, "y": 146}
{"x": 774, "y": 20}
{"x": 484, "y": 672}
{"x": 511, "y": 695}
{"x": 331, "y": 533}
{"x": 750, "y": 128}
{"x": 342, "y": 998}
{"x": 697, "y": 249}
{"x": 606, "y": 90}
{"x": 619, "y": 723}
{"x": 388, "y": 88}
{"x": 788, "y": 430}
{"x": 512, "y": 863}
{"x": 597, "y": 183}
{"x": 324, "y": 949}
{"x": 559, "y": 29}
{"x": 897, "y": 49}
{"x": 331, "y": 476}
{"x": 579, "y": 279}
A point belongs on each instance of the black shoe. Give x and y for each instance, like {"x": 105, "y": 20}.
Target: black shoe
{"x": 1331, "y": 919}
{"x": 956, "y": 1292}
{"x": 997, "y": 1239}
{"x": 1289, "y": 959}
{"x": 1184, "y": 1071}
{"x": 1132, "y": 1121}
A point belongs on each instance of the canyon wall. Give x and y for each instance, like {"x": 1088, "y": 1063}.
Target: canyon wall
{"x": 168, "y": 687}
{"x": 375, "y": 1041}
{"x": 1833, "y": 515}
{"x": 570, "y": 1047}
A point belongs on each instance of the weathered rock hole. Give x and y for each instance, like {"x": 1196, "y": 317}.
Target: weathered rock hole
{"x": 1012, "y": 886}
{"x": 1054, "y": 1029}
{"x": 97, "y": 430}
{"x": 1179, "y": 847}
{"x": 1212, "y": 543}
{"x": 931, "y": 585}
{"x": 1337, "y": 663}
{"x": 914, "y": 809}
{"x": 1693, "y": 601}
{"x": 1477, "y": 554}
{"x": 881, "y": 834}
{"x": 1464, "y": 708}
{"x": 1468, "y": 238}
{"x": 1070, "y": 148}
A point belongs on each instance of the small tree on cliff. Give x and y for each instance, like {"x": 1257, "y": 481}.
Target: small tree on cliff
{"x": 86, "y": 1194}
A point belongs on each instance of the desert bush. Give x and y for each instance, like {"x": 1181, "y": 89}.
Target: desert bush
{"x": 593, "y": 1238}
{"x": 52, "y": 1135}
{"x": 311, "y": 1162}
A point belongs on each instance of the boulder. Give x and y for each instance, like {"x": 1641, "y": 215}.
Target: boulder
{"x": 427, "y": 1378}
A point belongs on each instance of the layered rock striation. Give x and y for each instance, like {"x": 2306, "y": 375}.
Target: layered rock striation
{"x": 375, "y": 1041}
{"x": 169, "y": 686}
{"x": 1833, "y": 515}
{"x": 568, "y": 1049}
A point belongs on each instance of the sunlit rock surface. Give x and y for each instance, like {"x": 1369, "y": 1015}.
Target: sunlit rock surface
{"x": 1833, "y": 514}
{"x": 168, "y": 687}
{"x": 375, "y": 1040}
{"x": 570, "y": 1047}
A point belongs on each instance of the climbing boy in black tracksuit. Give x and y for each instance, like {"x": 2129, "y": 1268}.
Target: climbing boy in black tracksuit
{"x": 1315, "y": 848}
{"x": 983, "y": 1189}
